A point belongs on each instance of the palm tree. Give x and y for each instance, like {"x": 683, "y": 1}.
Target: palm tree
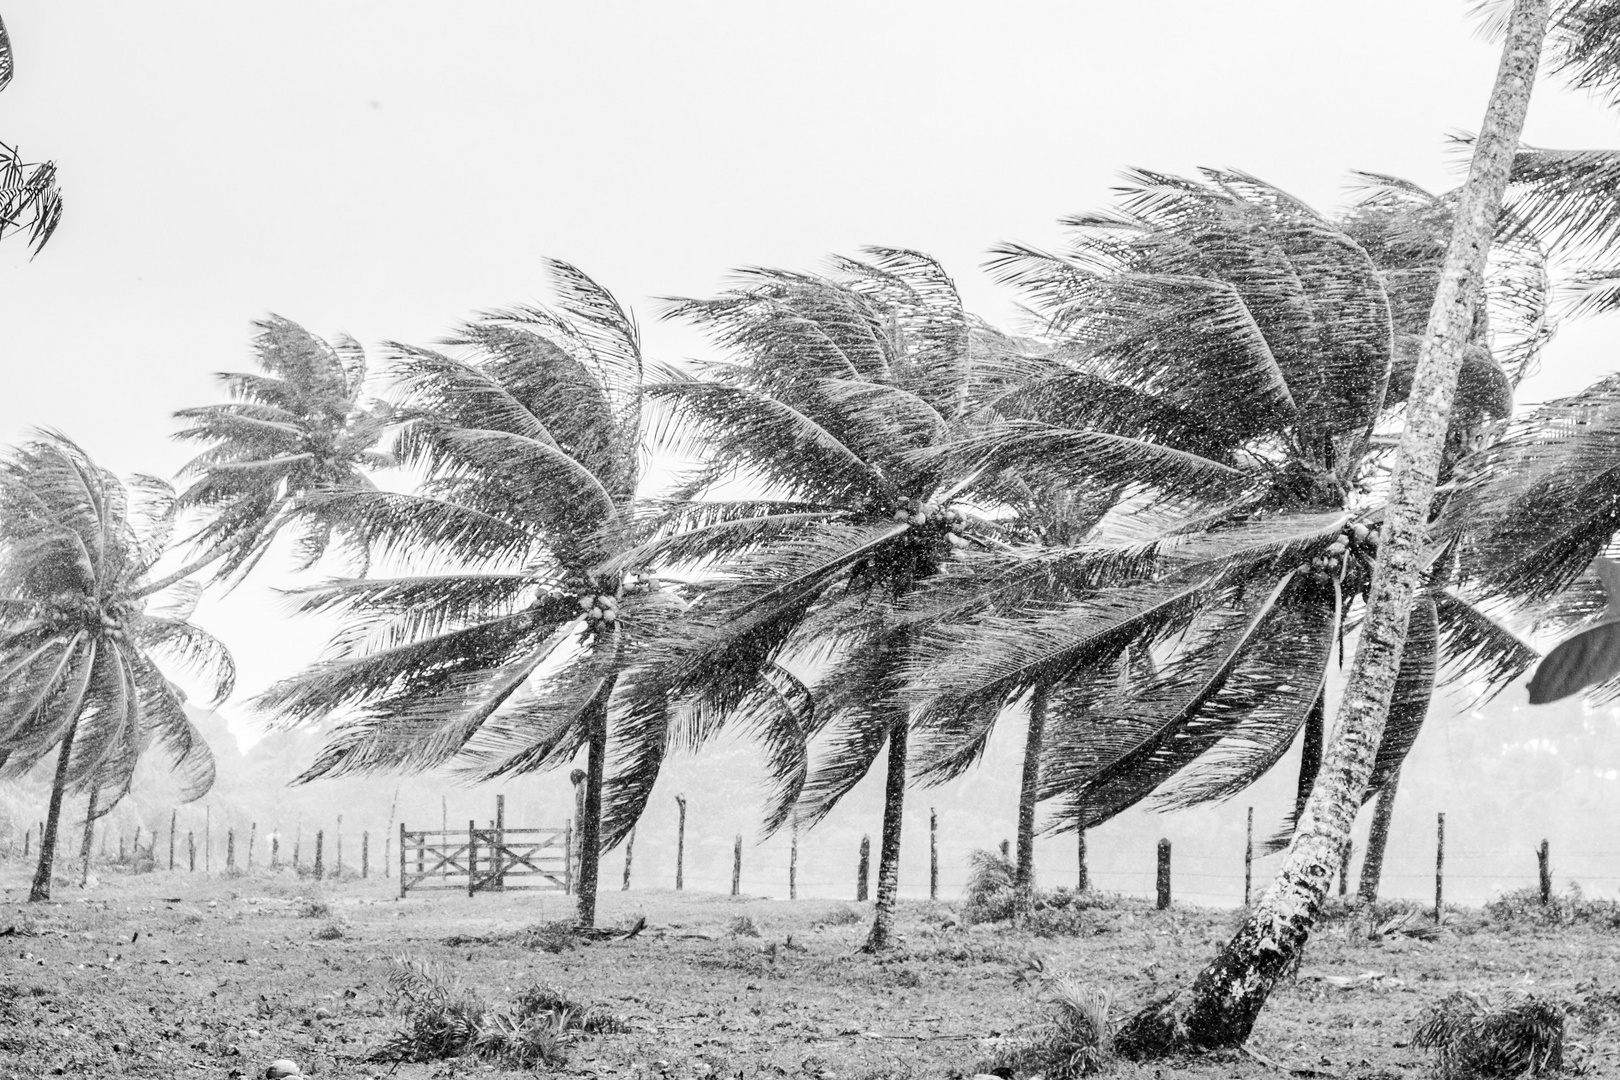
{"x": 292, "y": 437}
{"x": 79, "y": 640}
{"x": 29, "y": 198}
{"x": 1231, "y": 541}
{"x": 1220, "y": 1007}
{"x": 844, "y": 390}
{"x": 501, "y": 644}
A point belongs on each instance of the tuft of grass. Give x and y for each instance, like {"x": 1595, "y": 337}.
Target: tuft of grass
{"x": 551, "y": 937}
{"x": 842, "y": 915}
{"x": 331, "y": 930}
{"x": 1474, "y": 1039}
{"x": 1075, "y": 1039}
{"x": 743, "y": 926}
{"x": 990, "y": 893}
{"x": 315, "y": 907}
{"x": 445, "y": 1019}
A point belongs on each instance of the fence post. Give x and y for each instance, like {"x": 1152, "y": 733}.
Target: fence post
{"x": 629, "y": 853}
{"x": 1248, "y": 858}
{"x": 253, "y": 837}
{"x": 933, "y": 854}
{"x": 275, "y": 852}
{"x": 1440, "y": 868}
{"x": 120, "y": 847}
{"x": 1164, "y": 874}
{"x": 191, "y": 850}
{"x": 793, "y": 864}
{"x": 1006, "y": 848}
{"x": 568, "y": 857}
{"x": 577, "y": 852}
{"x": 863, "y": 868}
{"x": 500, "y": 842}
{"x": 472, "y": 857}
{"x": 444, "y": 826}
{"x": 736, "y": 866}
{"x": 680, "y": 845}
{"x": 137, "y": 840}
{"x": 365, "y": 854}
{"x": 337, "y": 861}
{"x": 402, "y": 860}
{"x": 230, "y": 850}
{"x": 1083, "y": 881}
{"x": 173, "y": 814}
{"x": 320, "y": 844}
{"x": 1545, "y": 872}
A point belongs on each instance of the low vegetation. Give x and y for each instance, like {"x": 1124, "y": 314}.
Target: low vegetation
{"x": 160, "y": 975}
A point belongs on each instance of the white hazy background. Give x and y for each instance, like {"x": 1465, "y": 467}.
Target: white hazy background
{"x": 386, "y": 169}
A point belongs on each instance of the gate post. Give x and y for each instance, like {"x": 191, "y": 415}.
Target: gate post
{"x": 500, "y": 842}
{"x": 402, "y": 860}
{"x": 472, "y": 857}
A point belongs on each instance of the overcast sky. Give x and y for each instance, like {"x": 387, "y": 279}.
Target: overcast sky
{"x": 385, "y": 169}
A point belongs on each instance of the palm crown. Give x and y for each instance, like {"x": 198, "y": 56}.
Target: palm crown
{"x": 77, "y": 640}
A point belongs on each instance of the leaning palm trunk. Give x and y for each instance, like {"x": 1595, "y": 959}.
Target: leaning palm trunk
{"x": 1024, "y": 878}
{"x": 47, "y": 843}
{"x": 1372, "y": 864}
{"x": 590, "y": 824}
{"x": 89, "y": 834}
{"x": 894, "y": 804}
{"x": 1221, "y": 1007}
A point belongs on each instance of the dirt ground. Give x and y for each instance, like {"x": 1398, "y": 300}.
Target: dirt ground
{"x": 178, "y": 975}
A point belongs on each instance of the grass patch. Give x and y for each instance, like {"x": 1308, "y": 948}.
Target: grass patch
{"x": 1075, "y": 1038}
{"x": 743, "y": 926}
{"x": 446, "y": 1019}
{"x": 841, "y": 915}
{"x": 1523, "y": 908}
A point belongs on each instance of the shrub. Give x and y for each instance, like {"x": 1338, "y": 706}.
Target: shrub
{"x": 743, "y": 926}
{"x": 1523, "y": 907}
{"x": 1523, "y": 1036}
{"x": 990, "y": 893}
{"x": 331, "y": 930}
{"x": 315, "y": 907}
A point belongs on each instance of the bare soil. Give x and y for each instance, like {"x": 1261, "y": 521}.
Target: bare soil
{"x": 179, "y": 975}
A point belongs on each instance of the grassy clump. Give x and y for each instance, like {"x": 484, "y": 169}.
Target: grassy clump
{"x": 743, "y": 926}
{"x": 1522, "y": 1036}
{"x": 842, "y": 915}
{"x": 315, "y": 908}
{"x": 1076, "y": 1038}
{"x": 551, "y": 937}
{"x": 444, "y": 1019}
{"x": 991, "y": 895}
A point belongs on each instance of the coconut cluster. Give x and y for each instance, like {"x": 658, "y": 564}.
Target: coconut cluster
{"x": 950, "y": 522}
{"x": 1330, "y": 564}
{"x": 600, "y": 604}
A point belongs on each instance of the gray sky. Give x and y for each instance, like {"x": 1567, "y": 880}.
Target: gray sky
{"x": 386, "y": 169}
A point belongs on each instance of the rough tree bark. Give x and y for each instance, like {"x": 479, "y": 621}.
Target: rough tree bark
{"x": 590, "y": 825}
{"x": 894, "y": 798}
{"x": 41, "y": 889}
{"x": 1024, "y": 876}
{"x": 90, "y": 834}
{"x": 1220, "y": 1008}
{"x": 1372, "y": 863}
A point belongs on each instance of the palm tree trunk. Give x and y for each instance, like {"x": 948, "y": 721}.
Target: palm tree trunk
{"x": 1310, "y": 758}
{"x": 1372, "y": 864}
{"x": 590, "y": 825}
{"x": 47, "y": 843}
{"x": 894, "y": 797}
{"x": 1220, "y": 1008}
{"x": 1024, "y": 876}
{"x": 89, "y": 835}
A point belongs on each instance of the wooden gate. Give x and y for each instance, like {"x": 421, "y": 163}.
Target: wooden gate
{"x": 484, "y": 860}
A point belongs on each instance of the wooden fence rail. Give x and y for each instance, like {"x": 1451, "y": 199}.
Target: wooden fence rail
{"x": 482, "y": 860}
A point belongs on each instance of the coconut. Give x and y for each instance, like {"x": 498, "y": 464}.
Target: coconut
{"x": 609, "y": 616}
{"x": 595, "y": 613}
{"x": 919, "y": 518}
{"x": 584, "y": 603}
{"x": 604, "y": 601}
{"x": 1360, "y": 532}
{"x": 902, "y": 514}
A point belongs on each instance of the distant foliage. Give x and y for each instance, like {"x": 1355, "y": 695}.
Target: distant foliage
{"x": 1472, "y": 1039}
